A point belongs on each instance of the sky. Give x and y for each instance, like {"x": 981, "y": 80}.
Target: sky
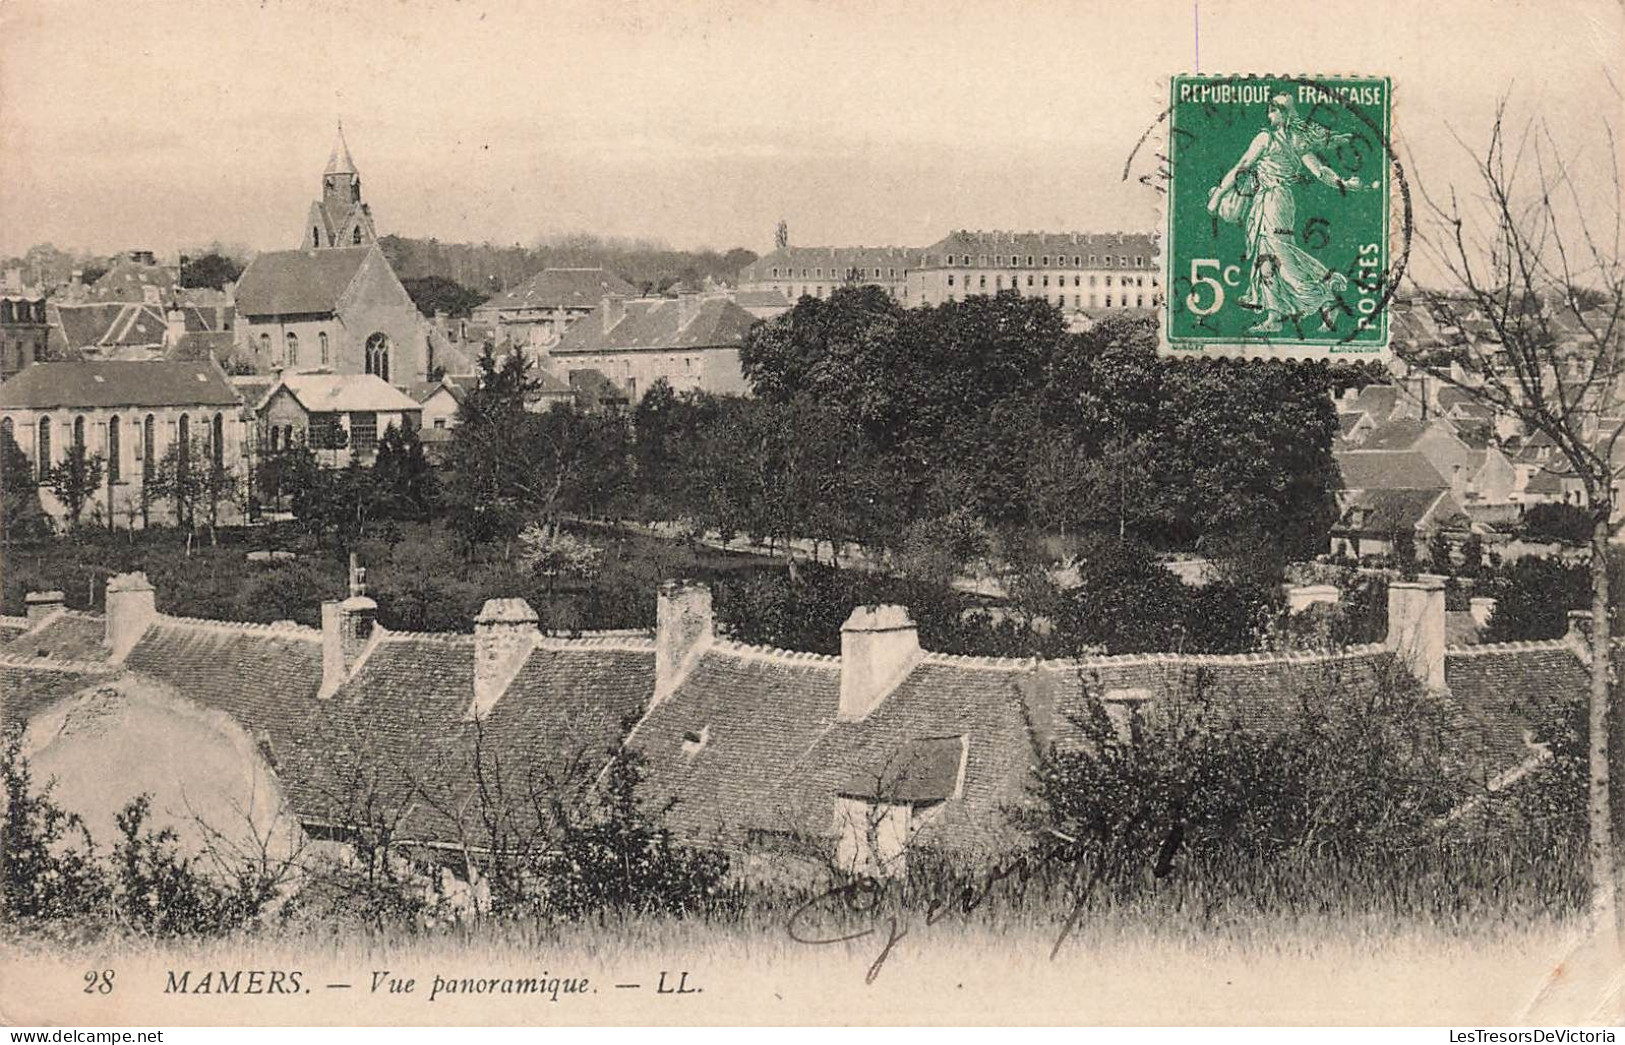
{"x": 127, "y": 124}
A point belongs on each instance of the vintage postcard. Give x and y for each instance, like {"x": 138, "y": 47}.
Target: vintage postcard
{"x": 586, "y": 513}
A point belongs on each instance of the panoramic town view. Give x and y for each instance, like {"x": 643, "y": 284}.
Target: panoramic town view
{"x": 738, "y": 540}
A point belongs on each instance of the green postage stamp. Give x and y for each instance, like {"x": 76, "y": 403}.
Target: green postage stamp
{"x": 1277, "y": 217}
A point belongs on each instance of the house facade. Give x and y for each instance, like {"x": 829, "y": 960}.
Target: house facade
{"x": 1079, "y": 273}
{"x": 539, "y": 311}
{"x": 691, "y": 342}
{"x": 130, "y": 414}
{"x": 24, "y": 331}
{"x": 339, "y": 416}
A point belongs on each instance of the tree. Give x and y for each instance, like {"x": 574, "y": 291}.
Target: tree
{"x": 191, "y": 480}
{"x": 1532, "y": 305}
{"x": 75, "y": 480}
{"x": 1564, "y": 523}
{"x": 781, "y": 236}
{"x": 212, "y": 270}
{"x": 406, "y": 482}
{"x": 21, "y": 515}
{"x": 436, "y": 294}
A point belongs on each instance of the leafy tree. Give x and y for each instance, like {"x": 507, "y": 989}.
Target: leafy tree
{"x": 197, "y": 488}
{"x": 21, "y": 514}
{"x": 212, "y": 270}
{"x": 619, "y": 858}
{"x": 1565, "y": 523}
{"x": 1533, "y": 597}
{"x": 436, "y": 294}
{"x": 406, "y": 483}
{"x": 75, "y": 480}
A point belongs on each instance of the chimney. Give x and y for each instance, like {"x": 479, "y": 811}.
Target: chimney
{"x": 504, "y": 634}
{"x": 1482, "y": 607}
{"x": 130, "y": 609}
{"x": 688, "y": 306}
{"x": 1416, "y": 627}
{"x": 685, "y": 628}
{"x": 1579, "y": 632}
{"x": 613, "y": 310}
{"x": 879, "y": 647}
{"x": 175, "y": 326}
{"x": 41, "y": 604}
{"x": 346, "y": 630}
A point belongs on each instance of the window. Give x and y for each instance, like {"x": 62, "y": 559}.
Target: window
{"x": 1029, "y": 279}
{"x": 1091, "y": 259}
{"x": 1046, "y": 281}
{"x": 315, "y": 237}
{"x": 950, "y": 279}
{"x": 1077, "y": 260}
{"x": 265, "y": 346}
{"x": 377, "y": 355}
{"x": 981, "y": 259}
{"x": 79, "y": 435}
{"x": 1046, "y": 261}
{"x": 113, "y": 448}
{"x": 1077, "y": 281}
{"x": 440, "y": 422}
{"x": 1121, "y": 260}
{"x": 355, "y": 237}
{"x": 218, "y": 440}
{"x": 998, "y": 282}
{"x": 1139, "y": 261}
{"x": 1139, "y": 301}
{"x": 981, "y": 281}
{"x": 1108, "y": 301}
{"x": 293, "y": 348}
{"x": 183, "y": 448}
{"x": 1108, "y": 281}
{"x": 1029, "y": 261}
{"x": 44, "y": 447}
{"x": 321, "y": 343}
{"x": 148, "y": 434}
{"x": 363, "y": 430}
{"x": 775, "y": 273}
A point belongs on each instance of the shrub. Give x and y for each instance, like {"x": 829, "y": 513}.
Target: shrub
{"x": 48, "y": 866}
{"x": 1565, "y": 523}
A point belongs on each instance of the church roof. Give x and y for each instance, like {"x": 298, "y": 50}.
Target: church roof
{"x": 298, "y": 282}
{"x": 563, "y": 288}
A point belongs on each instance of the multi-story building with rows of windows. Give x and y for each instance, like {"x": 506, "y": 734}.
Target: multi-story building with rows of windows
{"x": 798, "y": 272}
{"x": 1084, "y": 274}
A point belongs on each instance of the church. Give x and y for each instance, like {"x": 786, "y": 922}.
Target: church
{"x": 334, "y": 304}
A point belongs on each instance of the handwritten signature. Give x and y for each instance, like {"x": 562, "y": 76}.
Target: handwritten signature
{"x": 863, "y": 897}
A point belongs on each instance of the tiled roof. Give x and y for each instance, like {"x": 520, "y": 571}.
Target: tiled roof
{"x": 199, "y": 346}
{"x": 655, "y": 324}
{"x": 126, "y": 280}
{"x": 803, "y": 262}
{"x": 111, "y": 325}
{"x": 342, "y": 393}
{"x": 563, "y": 288}
{"x": 1365, "y": 469}
{"x": 104, "y": 383}
{"x": 68, "y": 636}
{"x": 298, "y": 282}
{"x": 1140, "y": 249}
{"x": 1401, "y": 434}
{"x": 26, "y": 691}
{"x": 1377, "y": 400}
{"x": 921, "y": 771}
{"x": 1381, "y": 512}
{"x": 761, "y": 299}
{"x": 1346, "y": 420}
{"x": 722, "y": 743}
{"x": 1500, "y": 687}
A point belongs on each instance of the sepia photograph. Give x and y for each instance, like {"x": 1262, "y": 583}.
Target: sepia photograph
{"x": 586, "y": 513}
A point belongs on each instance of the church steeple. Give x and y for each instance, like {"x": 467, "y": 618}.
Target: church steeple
{"x": 340, "y": 162}
{"x": 339, "y": 218}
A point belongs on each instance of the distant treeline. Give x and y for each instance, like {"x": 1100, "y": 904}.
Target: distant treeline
{"x": 489, "y": 269}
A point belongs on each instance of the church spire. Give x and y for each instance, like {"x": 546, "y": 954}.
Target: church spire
{"x": 340, "y": 162}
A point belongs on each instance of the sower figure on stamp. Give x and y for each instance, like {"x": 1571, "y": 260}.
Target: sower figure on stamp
{"x": 1286, "y": 281}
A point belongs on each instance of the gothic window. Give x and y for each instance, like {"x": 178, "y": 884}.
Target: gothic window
{"x": 113, "y": 449}
{"x": 219, "y": 442}
{"x": 377, "y": 355}
{"x": 293, "y": 348}
{"x": 315, "y": 237}
{"x": 183, "y": 451}
{"x": 148, "y": 433}
{"x": 321, "y": 340}
{"x": 44, "y": 447}
{"x": 355, "y": 236}
{"x": 79, "y": 435}
{"x": 265, "y": 346}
